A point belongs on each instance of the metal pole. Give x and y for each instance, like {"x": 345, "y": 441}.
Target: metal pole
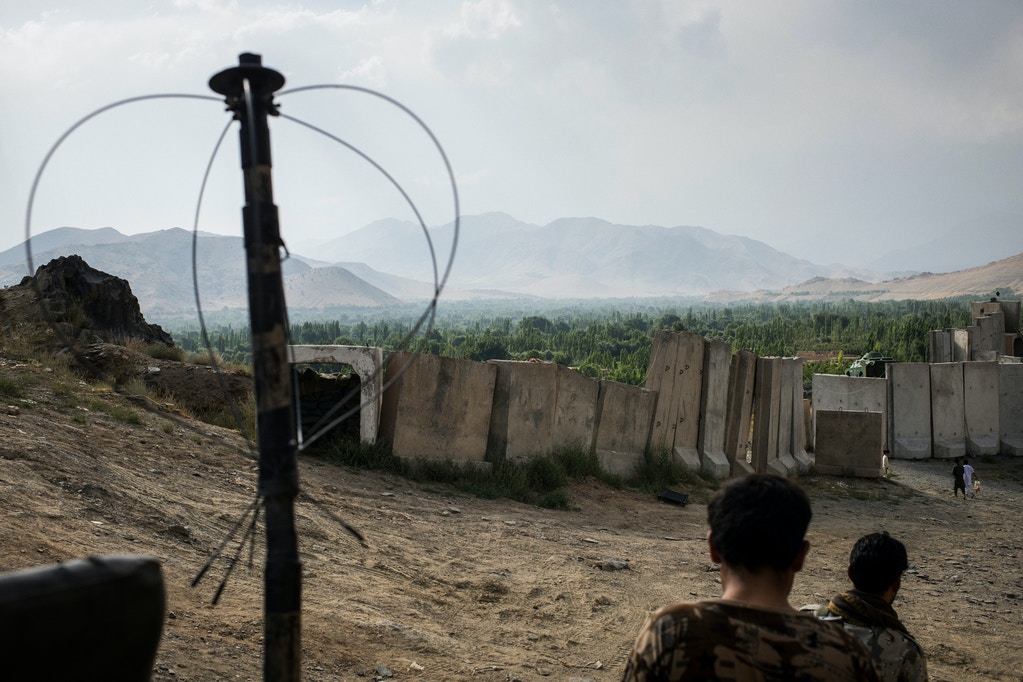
{"x": 248, "y": 89}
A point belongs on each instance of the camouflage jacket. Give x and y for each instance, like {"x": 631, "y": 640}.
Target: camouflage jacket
{"x": 726, "y": 640}
{"x": 896, "y": 654}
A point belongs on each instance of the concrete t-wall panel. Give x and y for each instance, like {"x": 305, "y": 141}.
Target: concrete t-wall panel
{"x": 848, "y": 443}
{"x": 575, "y": 413}
{"x": 940, "y": 343}
{"x": 522, "y": 418}
{"x": 714, "y": 396}
{"x": 1008, "y": 309}
{"x": 962, "y": 344}
{"x": 624, "y": 416}
{"x": 980, "y": 402}
{"x": 990, "y": 330}
{"x": 910, "y": 384}
{"x": 794, "y": 368}
{"x": 688, "y": 391}
{"x": 741, "y": 374}
{"x": 367, "y": 363}
{"x": 660, "y": 378}
{"x": 839, "y": 393}
{"x": 785, "y": 436}
{"x": 766, "y": 404}
{"x": 1010, "y": 408}
{"x": 948, "y": 416}
{"x": 834, "y": 392}
{"x": 436, "y": 407}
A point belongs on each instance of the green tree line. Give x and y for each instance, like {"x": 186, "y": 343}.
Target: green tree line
{"x": 613, "y": 340}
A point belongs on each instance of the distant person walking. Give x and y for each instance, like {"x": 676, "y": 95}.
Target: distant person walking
{"x": 967, "y": 479}
{"x": 957, "y": 479}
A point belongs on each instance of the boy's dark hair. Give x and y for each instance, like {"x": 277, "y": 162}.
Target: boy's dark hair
{"x": 759, "y": 521}
{"x": 876, "y": 561}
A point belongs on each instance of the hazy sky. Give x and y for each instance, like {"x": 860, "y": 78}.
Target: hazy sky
{"x": 800, "y": 123}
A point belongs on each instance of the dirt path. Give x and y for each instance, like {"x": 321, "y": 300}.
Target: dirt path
{"x": 456, "y": 588}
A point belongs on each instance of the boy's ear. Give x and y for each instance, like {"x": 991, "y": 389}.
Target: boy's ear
{"x": 797, "y": 564}
{"x": 715, "y": 556}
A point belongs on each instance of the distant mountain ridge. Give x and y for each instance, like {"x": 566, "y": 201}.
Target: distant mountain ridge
{"x": 580, "y": 257}
{"x": 496, "y": 257}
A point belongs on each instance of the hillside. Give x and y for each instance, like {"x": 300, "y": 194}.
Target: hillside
{"x": 447, "y": 587}
{"x": 1004, "y": 276}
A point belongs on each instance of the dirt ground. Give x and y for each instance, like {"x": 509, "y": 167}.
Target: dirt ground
{"x": 457, "y": 588}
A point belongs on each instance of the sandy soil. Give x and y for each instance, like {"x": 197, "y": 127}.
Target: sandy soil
{"x": 456, "y": 588}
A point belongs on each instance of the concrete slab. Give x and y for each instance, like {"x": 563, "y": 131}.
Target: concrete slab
{"x": 848, "y": 443}
{"x": 804, "y": 462}
{"x": 575, "y": 410}
{"x": 962, "y": 344}
{"x": 1008, "y": 309}
{"x": 980, "y": 402}
{"x": 689, "y": 390}
{"x": 766, "y": 411}
{"x": 940, "y": 345}
{"x": 436, "y": 407}
{"x": 948, "y": 415}
{"x": 624, "y": 416}
{"x": 367, "y": 363}
{"x": 910, "y": 386}
{"x": 717, "y": 355}
{"x": 990, "y": 333}
{"x": 839, "y": 393}
{"x": 660, "y": 378}
{"x": 1010, "y": 408}
{"x": 522, "y": 418}
{"x": 738, "y": 437}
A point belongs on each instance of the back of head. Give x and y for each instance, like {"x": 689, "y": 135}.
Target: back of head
{"x": 876, "y": 561}
{"x": 759, "y": 521}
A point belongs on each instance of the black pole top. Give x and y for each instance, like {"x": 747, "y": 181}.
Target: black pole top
{"x": 262, "y": 80}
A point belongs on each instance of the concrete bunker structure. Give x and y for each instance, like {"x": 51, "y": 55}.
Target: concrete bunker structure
{"x": 366, "y": 362}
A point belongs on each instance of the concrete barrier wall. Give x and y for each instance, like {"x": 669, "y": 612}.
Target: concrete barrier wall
{"x": 660, "y": 378}
{"x": 838, "y": 393}
{"x": 848, "y": 443}
{"x": 469, "y": 411}
{"x": 1008, "y": 309}
{"x": 940, "y": 344}
{"x": 624, "y": 416}
{"x": 910, "y": 399}
{"x": 1010, "y": 407}
{"x": 689, "y": 387}
{"x": 522, "y": 418}
{"x": 794, "y": 369}
{"x": 575, "y": 409}
{"x": 980, "y": 403}
{"x": 437, "y": 407}
{"x": 948, "y": 416}
{"x": 962, "y": 344}
{"x": 714, "y": 408}
{"x": 990, "y": 333}
{"x": 676, "y": 369}
{"x": 738, "y": 440}
{"x": 766, "y": 419}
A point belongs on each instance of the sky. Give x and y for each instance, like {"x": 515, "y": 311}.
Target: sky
{"x": 812, "y": 125}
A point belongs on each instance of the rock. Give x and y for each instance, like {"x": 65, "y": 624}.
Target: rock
{"x": 609, "y": 564}
{"x": 80, "y": 299}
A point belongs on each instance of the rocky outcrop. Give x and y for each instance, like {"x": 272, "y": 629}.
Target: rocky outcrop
{"x": 82, "y": 302}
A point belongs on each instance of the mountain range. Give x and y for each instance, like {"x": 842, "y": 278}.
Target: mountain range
{"x": 495, "y": 257}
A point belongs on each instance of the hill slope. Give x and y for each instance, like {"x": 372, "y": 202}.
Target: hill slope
{"x": 1004, "y": 277}
{"x": 447, "y": 587}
